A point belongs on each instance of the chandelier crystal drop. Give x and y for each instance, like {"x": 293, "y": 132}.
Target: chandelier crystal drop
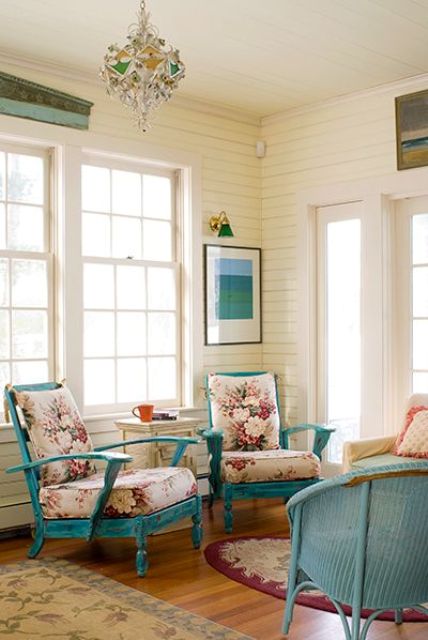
{"x": 144, "y": 72}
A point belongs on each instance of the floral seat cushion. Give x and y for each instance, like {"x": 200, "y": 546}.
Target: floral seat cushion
{"x": 245, "y": 409}
{"x": 55, "y": 428}
{"x": 277, "y": 465}
{"x": 135, "y": 492}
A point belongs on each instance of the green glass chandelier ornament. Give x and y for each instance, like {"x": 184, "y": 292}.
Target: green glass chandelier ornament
{"x": 144, "y": 72}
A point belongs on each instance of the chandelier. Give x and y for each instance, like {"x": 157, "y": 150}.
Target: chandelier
{"x": 144, "y": 72}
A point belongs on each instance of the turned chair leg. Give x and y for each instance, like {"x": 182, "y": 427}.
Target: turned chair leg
{"x": 38, "y": 543}
{"x": 141, "y": 560}
{"x": 228, "y": 515}
{"x": 197, "y": 528}
{"x": 210, "y": 497}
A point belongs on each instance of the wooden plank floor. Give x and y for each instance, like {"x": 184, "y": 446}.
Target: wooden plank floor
{"x": 180, "y": 575}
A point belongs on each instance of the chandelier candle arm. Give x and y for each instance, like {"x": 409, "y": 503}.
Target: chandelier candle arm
{"x": 144, "y": 72}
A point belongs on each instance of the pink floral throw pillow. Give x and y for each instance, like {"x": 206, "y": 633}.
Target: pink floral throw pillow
{"x": 55, "y": 427}
{"x": 412, "y": 442}
{"x": 245, "y": 409}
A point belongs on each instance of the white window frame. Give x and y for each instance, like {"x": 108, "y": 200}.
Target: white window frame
{"x": 47, "y": 255}
{"x": 92, "y": 159}
{"x": 385, "y": 397}
{"x": 325, "y": 216}
{"x": 188, "y": 240}
{"x": 67, "y": 148}
{"x": 405, "y": 209}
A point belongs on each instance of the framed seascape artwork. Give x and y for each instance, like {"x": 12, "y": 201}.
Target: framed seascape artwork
{"x": 232, "y": 295}
{"x": 411, "y": 117}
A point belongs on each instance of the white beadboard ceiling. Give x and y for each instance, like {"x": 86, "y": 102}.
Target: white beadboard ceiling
{"x": 260, "y": 56}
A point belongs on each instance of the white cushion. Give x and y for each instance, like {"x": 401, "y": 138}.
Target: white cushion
{"x": 413, "y": 439}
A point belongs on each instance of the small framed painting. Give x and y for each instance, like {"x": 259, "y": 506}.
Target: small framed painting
{"x": 232, "y": 295}
{"x": 411, "y": 118}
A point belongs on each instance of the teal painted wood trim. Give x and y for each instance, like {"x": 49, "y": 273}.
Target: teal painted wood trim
{"x": 176, "y": 439}
{"x": 287, "y": 488}
{"x": 89, "y": 455}
{"x": 25, "y": 99}
{"x": 180, "y": 449}
{"x": 31, "y": 475}
{"x": 214, "y": 441}
{"x": 113, "y": 468}
{"x": 121, "y": 527}
{"x": 43, "y": 114}
{"x": 321, "y": 436}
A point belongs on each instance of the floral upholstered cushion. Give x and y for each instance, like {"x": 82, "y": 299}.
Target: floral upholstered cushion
{"x": 245, "y": 409}
{"x": 55, "y": 427}
{"x": 269, "y": 466}
{"x": 135, "y": 492}
{"x": 413, "y": 439}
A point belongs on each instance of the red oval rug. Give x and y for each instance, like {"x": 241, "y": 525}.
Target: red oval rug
{"x": 262, "y": 563}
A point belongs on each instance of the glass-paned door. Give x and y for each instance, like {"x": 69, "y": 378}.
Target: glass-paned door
{"x": 412, "y": 293}
{"x": 339, "y": 323}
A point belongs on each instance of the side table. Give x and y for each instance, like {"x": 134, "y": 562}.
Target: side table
{"x": 155, "y": 454}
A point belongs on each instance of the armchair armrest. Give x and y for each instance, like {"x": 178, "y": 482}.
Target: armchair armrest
{"x": 90, "y": 455}
{"x": 359, "y": 449}
{"x": 181, "y": 443}
{"x": 114, "y": 462}
{"x": 214, "y": 445}
{"x": 322, "y": 435}
{"x": 207, "y": 433}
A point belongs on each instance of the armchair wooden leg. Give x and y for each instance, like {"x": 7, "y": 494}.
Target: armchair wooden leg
{"x": 197, "y": 528}
{"x": 141, "y": 561}
{"x": 228, "y": 515}
{"x": 38, "y": 543}
{"x": 210, "y": 497}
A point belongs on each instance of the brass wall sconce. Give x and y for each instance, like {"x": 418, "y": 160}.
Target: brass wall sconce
{"x": 220, "y": 224}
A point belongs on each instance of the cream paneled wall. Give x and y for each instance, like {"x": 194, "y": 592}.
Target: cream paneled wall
{"x": 350, "y": 138}
{"x": 231, "y": 173}
{"x": 231, "y": 180}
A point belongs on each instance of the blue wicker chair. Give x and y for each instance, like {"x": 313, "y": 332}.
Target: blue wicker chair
{"x": 361, "y": 539}
{"x": 248, "y": 447}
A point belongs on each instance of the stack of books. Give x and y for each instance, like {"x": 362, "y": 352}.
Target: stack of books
{"x": 165, "y": 414}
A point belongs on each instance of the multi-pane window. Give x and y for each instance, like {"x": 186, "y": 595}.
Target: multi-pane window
{"x": 131, "y": 344}
{"x": 25, "y": 268}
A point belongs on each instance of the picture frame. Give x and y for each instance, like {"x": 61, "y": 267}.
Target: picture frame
{"x": 232, "y": 296}
{"x": 411, "y": 120}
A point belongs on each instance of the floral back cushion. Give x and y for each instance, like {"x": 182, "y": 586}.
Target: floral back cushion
{"x": 246, "y": 410}
{"x": 55, "y": 427}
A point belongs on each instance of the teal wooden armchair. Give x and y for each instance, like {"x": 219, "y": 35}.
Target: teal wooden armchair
{"x": 249, "y": 450}
{"x": 71, "y": 500}
{"x": 361, "y": 539}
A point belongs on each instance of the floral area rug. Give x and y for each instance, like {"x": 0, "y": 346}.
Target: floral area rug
{"x": 262, "y": 563}
{"x": 44, "y": 599}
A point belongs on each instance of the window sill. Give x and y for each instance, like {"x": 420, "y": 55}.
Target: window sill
{"x": 5, "y": 426}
